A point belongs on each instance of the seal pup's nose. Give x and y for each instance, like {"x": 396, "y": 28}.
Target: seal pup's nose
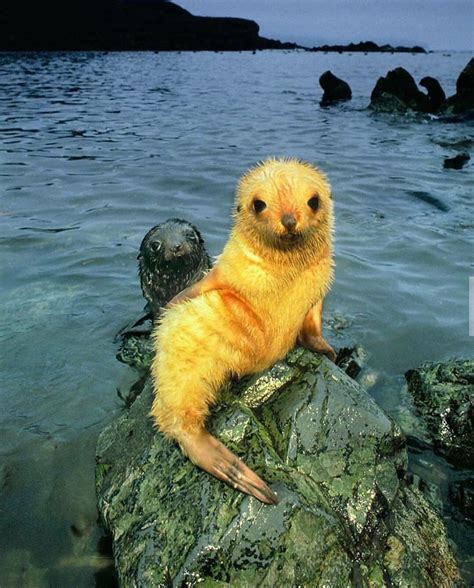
{"x": 288, "y": 221}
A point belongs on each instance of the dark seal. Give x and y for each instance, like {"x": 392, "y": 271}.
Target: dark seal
{"x": 335, "y": 89}
{"x": 172, "y": 257}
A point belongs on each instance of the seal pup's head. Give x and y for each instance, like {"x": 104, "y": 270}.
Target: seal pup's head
{"x": 284, "y": 204}
{"x": 172, "y": 256}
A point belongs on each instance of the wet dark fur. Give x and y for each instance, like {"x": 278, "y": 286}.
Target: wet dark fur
{"x": 172, "y": 256}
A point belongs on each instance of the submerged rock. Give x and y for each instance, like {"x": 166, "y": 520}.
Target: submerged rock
{"x": 335, "y": 89}
{"x": 462, "y": 495}
{"x": 444, "y": 395}
{"x": 346, "y": 516}
{"x": 456, "y": 162}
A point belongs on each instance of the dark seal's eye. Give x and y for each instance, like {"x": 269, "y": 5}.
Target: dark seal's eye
{"x": 259, "y": 205}
{"x": 156, "y": 245}
{"x": 313, "y": 203}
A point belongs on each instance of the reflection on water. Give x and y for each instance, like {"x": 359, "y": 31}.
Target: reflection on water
{"x": 95, "y": 148}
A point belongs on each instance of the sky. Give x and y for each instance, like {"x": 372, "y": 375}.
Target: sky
{"x": 433, "y": 24}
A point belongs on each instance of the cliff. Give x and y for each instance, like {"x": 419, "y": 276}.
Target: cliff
{"x": 123, "y": 25}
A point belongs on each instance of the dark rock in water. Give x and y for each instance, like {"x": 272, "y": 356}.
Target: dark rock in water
{"x": 462, "y": 495}
{"x": 458, "y": 144}
{"x": 345, "y": 517}
{"x": 463, "y": 100}
{"x": 172, "y": 256}
{"x": 457, "y": 162}
{"x": 444, "y": 396}
{"x": 397, "y": 92}
{"x": 335, "y": 89}
{"x": 349, "y": 360}
{"x": 436, "y": 97}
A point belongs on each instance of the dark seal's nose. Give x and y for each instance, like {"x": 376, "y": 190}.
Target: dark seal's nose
{"x": 288, "y": 221}
{"x": 175, "y": 251}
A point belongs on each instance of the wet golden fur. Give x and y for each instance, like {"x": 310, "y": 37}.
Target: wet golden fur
{"x": 253, "y": 314}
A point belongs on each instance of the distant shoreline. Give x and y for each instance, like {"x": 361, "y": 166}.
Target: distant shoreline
{"x": 138, "y": 25}
{"x": 368, "y": 47}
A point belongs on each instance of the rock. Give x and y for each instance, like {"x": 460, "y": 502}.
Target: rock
{"x": 335, "y": 89}
{"x": 436, "y": 97}
{"x": 397, "y": 92}
{"x": 350, "y": 360}
{"x": 369, "y": 47}
{"x": 462, "y": 495}
{"x": 463, "y": 101}
{"x": 444, "y": 396}
{"x": 137, "y": 351}
{"x": 456, "y": 162}
{"x": 345, "y": 517}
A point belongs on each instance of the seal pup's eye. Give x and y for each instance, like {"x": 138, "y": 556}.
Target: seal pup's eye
{"x": 313, "y": 203}
{"x": 156, "y": 245}
{"x": 259, "y": 205}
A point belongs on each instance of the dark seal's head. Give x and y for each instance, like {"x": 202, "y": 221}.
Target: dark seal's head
{"x": 172, "y": 257}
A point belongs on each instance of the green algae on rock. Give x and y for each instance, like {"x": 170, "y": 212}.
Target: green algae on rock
{"x": 444, "y": 395}
{"x": 336, "y": 461}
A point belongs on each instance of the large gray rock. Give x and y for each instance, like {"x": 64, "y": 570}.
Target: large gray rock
{"x": 346, "y": 516}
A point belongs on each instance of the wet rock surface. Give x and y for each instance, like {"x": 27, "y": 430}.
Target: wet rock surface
{"x": 444, "y": 396}
{"x": 346, "y": 516}
{"x": 462, "y": 495}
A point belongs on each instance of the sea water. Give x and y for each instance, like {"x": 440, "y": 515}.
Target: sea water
{"x": 95, "y": 148}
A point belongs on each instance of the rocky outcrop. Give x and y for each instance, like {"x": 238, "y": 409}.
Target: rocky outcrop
{"x": 335, "y": 89}
{"x": 346, "y": 516}
{"x": 124, "y": 25}
{"x": 463, "y": 100}
{"x": 398, "y": 92}
{"x": 369, "y": 47}
{"x": 444, "y": 396}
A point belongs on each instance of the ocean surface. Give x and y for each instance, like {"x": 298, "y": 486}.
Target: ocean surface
{"x": 95, "y": 148}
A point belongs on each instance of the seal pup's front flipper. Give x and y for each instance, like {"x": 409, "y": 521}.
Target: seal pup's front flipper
{"x": 141, "y": 326}
{"x": 212, "y": 456}
{"x": 209, "y": 282}
{"x": 311, "y": 334}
